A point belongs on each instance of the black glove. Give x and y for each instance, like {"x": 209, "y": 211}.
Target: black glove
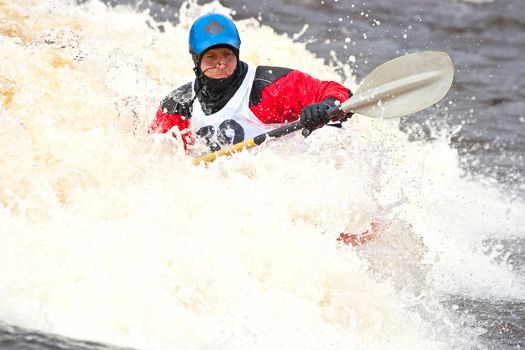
{"x": 314, "y": 115}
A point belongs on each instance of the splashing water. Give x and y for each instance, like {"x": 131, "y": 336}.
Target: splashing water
{"x": 110, "y": 234}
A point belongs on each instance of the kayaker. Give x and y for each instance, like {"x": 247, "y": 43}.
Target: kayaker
{"x": 230, "y": 101}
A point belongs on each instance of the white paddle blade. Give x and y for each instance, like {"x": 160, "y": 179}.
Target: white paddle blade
{"x": 403, "y": 86}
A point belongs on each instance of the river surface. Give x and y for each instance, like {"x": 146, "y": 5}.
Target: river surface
{"x": 111, "y": 238}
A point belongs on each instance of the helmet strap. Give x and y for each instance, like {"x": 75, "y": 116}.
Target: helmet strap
{"x": 198, "y": 72}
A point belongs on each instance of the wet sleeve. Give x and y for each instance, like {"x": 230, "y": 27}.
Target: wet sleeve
{"x": 283, "y": 100}
{"x": 166, "y": 122}
{"x": 173, "y": 116}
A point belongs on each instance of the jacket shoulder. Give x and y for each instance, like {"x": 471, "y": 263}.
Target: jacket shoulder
{"x": 264, "y": 76}
{"x": 178, "y": 101}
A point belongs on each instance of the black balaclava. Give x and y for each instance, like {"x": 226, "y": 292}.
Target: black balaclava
{"x": 213, "y": 94}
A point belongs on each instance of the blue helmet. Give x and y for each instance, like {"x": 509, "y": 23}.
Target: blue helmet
{"x": 211, "y": 30}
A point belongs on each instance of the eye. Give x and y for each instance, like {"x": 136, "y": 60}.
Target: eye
{"x": 209, "y": 58}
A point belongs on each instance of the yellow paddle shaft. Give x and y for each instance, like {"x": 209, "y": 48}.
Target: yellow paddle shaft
{"x": 208, "y": 158}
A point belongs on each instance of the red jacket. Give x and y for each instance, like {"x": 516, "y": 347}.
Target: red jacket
{"x": 278, "y": 95}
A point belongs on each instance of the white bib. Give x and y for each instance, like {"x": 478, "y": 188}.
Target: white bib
{"x": 234, "y": 123}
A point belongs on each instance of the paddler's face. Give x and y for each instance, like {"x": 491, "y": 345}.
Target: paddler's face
{"x": 218, "y": 63}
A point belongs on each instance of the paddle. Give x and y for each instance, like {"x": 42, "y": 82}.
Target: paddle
{"x": 396, "y": 88}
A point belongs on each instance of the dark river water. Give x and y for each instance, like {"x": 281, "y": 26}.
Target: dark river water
{"x": 486, "y": 41}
